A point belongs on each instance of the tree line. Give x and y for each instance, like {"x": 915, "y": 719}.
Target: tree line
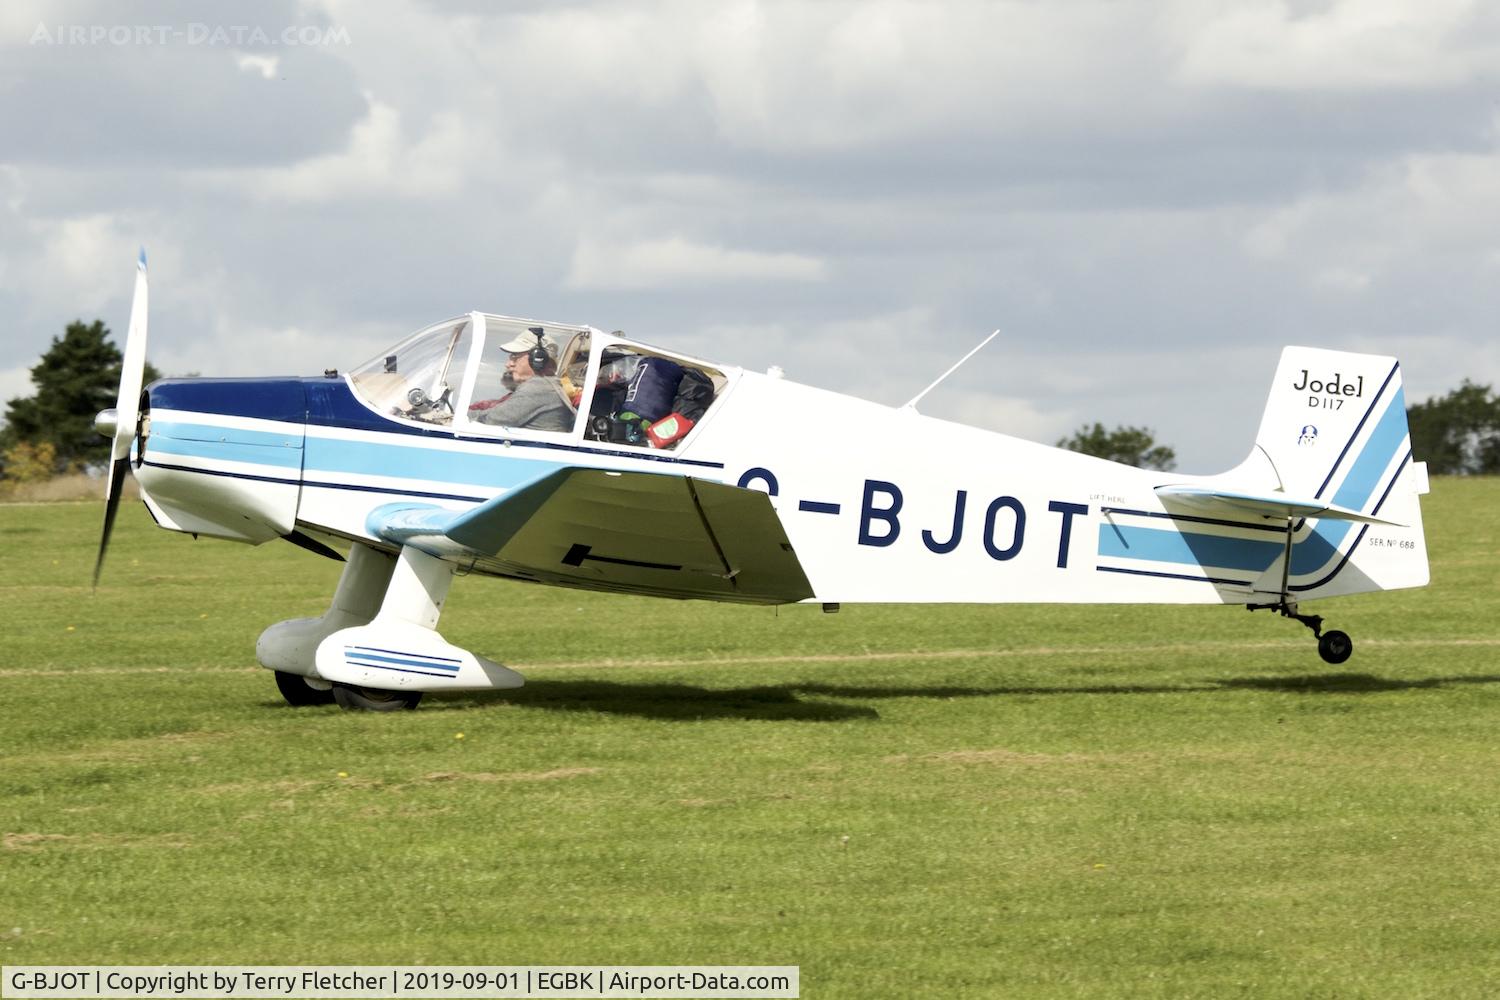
{"x": 52, "y": 431}
{"x": 1457, "y": 434}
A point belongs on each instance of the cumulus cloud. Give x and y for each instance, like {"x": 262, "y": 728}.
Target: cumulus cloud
{"x": 676, "y": 260}
{"x": 168, "y": 104}
{"x": 1341, "y": 46}
{"x": 80, "y": 259}
{"x": 1402, "y": 220}
{"x": 265, "y": 65}
{"x": 380, "y": 159}
{"x": 1149, "y": 199}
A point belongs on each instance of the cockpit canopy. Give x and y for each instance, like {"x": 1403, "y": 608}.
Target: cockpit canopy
{"x": 489, "y": 374}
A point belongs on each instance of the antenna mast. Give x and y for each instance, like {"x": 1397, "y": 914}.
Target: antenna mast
{"x": 913, "y": 404}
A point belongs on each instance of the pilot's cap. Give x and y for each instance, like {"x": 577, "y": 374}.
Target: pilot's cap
{"x": 528, "y": 342}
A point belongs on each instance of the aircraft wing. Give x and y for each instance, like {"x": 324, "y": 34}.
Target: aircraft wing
{"x": 636, "y": 532}
{"x": 1231, "y": 503}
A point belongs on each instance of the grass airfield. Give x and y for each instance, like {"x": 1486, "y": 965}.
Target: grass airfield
{"x": 940, "y": 801}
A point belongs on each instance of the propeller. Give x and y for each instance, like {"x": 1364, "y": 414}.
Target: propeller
{"x": 120, "y": 423}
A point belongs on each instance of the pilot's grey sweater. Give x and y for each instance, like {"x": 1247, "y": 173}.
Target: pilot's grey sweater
{"x": 537, "y": 404}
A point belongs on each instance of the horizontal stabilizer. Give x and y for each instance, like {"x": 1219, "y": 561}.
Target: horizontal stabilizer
{"x": 1230, "y": 503}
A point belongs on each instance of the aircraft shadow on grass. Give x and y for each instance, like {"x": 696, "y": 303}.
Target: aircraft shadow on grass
{"x": 672, "y": 702}
{"x": 785, "y": 702}
{"x": 1351, "y": 683}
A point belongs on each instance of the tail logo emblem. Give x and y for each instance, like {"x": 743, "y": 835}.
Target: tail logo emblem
{"x": 1308, "y": 437}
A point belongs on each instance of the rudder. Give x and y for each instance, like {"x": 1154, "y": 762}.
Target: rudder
{"x": 1334, "y": 429}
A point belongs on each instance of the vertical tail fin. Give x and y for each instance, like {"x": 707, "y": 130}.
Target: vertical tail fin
{"x": 1334, "y": 429}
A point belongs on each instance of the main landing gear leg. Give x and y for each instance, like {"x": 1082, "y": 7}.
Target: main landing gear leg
{"x": 387, "y": 664}
{"x": 1333, "y": 646}
{"x": 413, "y": 598}
{"x": 290, "y": 647}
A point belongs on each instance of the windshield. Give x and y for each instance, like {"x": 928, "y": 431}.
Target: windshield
{"x": 529, "y": 376}
{"x": 499, "y": 375}
{"x": 418, "y": 378}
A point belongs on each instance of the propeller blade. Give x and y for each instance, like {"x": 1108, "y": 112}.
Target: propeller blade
{"x": 117, "y": 471}
{"x": 133, "y": 366}
{"x": 127, "y": 408}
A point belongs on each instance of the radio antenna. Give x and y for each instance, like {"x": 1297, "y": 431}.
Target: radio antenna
{"x": 913, "y": 404}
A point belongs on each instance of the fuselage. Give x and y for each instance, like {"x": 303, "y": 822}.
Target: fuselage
{"x": 880, "y": 504}
{"x": 877, "y": 503}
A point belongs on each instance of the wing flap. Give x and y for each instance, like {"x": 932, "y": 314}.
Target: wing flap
{"x": 1231, "y": 503}
{"x": 670, "y": 536}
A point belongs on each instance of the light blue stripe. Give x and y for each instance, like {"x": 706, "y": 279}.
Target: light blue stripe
{"x": 1314, "y": 553}
{"x": 189, "y": 431}
{"x": 225, "y": 451}
{"x": 371, "y": 660}
{"x": 398, "y": 652}
{"x": 1320, "y": 547}
{"x": 432, "y": 462}
{"x": 1359, "y": 485}
{"x": 402, "y": 521}
{"x": 1187, "y": 548}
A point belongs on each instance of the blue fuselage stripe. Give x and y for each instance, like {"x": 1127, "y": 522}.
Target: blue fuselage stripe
{"x": 395, "y": 491}
{"x": 370, "y": 659}
{"x": 1379, "y": 395}
{"x": 1188, "y": 548}
{"x": 1174, "y": 576}
{"x": 1312, "y": 554}
{"x": 397, "y": 652}
{"x": 327, "y": 456}
{"x": 1321, "y": 547}
{"x": 1359, "y": 485}
{"x": 332, "y": 403}
{"x": 220, "y": 472}
{"x": 225, "y": 451}
{"x": 310, "y": 403}
{"x": 1194, "y": 519}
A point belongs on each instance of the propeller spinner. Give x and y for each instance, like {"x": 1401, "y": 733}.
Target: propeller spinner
{"x": 120, "y": 424}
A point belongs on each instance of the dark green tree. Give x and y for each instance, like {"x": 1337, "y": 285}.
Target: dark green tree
{"x": 1131, "y": 445}
{"x": 77, "y": 377}
{"x": 1458, "y": 434}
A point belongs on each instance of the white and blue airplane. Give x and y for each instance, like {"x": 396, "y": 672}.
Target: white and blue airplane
{"x": 657, "y": 473}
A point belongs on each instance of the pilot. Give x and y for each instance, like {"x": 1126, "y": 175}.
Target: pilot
{"x": 538, "y": 402}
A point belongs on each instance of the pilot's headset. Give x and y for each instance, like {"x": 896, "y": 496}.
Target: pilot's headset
{"x": 538, "y": 356}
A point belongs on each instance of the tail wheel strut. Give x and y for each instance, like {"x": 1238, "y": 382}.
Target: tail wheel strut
{"x": 1333, "y": 646}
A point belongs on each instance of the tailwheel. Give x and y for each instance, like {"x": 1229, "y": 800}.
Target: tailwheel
{"x": 363, "y": 699}
{"x": 1335, "y": 646}
{"x": 299, "y": 691}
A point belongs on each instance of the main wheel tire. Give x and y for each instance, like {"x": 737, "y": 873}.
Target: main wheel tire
{"x": 299, "y": 693}
{"x": 360, "y": 699}
{"x": 1335, "y": 646}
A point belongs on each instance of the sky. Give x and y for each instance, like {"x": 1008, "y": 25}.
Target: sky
{"x": 1148, "y": 199}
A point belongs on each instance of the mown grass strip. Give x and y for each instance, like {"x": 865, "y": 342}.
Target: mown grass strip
{"x": 1048, "y": 802}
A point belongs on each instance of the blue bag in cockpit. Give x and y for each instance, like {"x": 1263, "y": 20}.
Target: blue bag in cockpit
{"x": 652, "y": 390}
